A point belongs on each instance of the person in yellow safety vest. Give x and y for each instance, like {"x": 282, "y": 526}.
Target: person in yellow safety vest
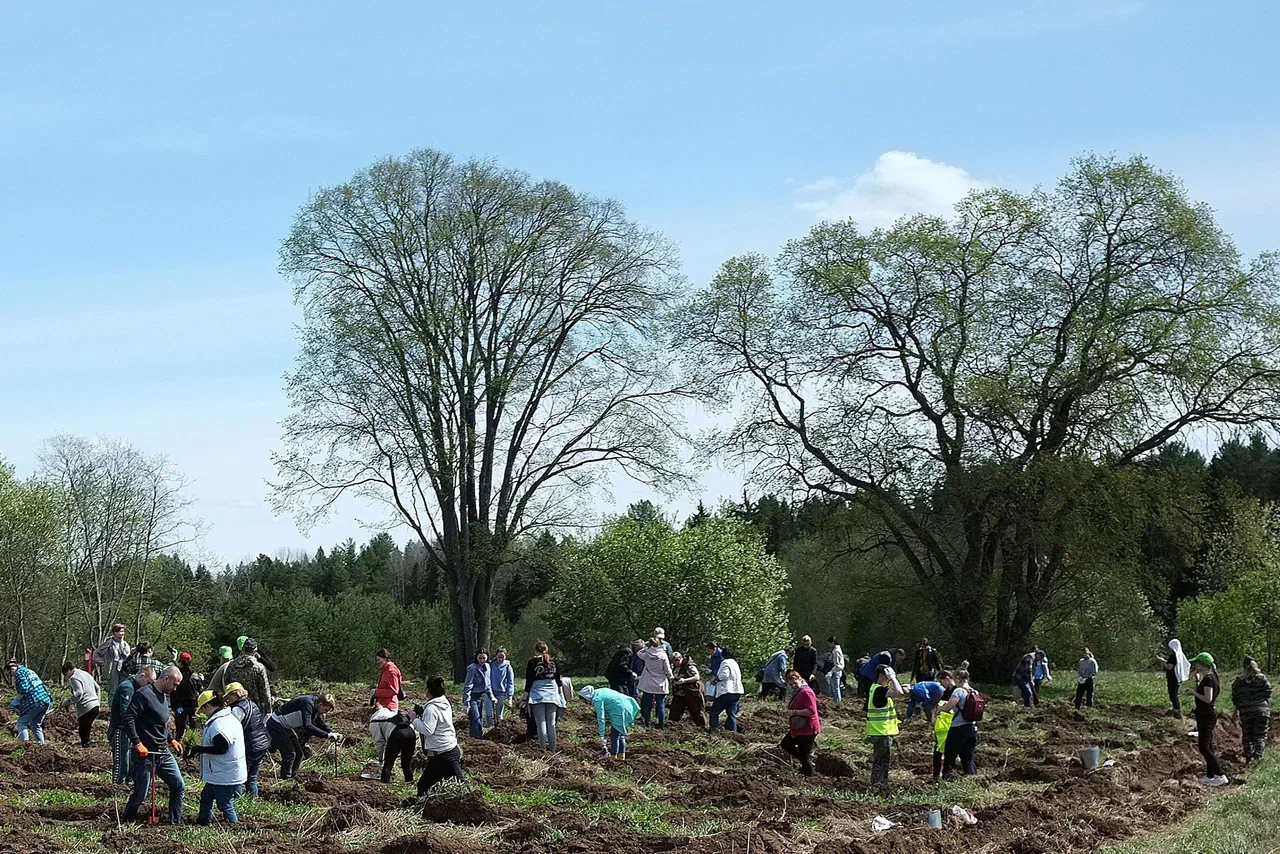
{"x": 882, "y": 722}
{"x": 941, "y": 728}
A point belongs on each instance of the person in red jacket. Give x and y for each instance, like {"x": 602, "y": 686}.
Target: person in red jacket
{"x": 802, "y": 714}
{"x": 388, "y": 692}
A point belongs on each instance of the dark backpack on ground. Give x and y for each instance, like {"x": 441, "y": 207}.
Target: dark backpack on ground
{"x": 973, "y": 707}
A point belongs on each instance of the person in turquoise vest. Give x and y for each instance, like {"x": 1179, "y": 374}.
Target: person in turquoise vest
{"x": 882, "y": 722}
{"x": 618, "y": 711}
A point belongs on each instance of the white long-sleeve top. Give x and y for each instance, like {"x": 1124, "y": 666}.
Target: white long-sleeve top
{"x": 435, "y": 726}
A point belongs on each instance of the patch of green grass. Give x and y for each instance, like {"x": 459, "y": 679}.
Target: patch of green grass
{"x": 637, "y": 816}
{"x": 535, "y": 798}
{"x": 1139, "y": 688}
{"x": 277, "y": 811}
{"x": 1243, "y": 821}
{"x": 78, "y": 838}
{"x": 51, "y": 797}
{"x": 209, "y": 838}
{"x": 963, "y": 791}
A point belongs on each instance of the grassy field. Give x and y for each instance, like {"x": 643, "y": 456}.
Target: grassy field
{"x": 684, "y": 789}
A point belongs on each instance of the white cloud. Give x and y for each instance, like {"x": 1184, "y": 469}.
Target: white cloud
{"x": 898, "y": 184}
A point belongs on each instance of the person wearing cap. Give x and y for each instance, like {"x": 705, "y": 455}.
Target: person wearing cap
{"x": 223, "y": 767}
{"x": 146, "y": 724}
{"x": 434, "y": 723}
{"x": 218, "y": 681}
{"x": 661, "y": 635}
{"x": 615, "y": 710}
{"x": 184, "y": 697}
{"x": 86, "y": 699}
{"x": 1251, "y": 697}
{"x": 249, "y": 672}
{"x": 117, "y": 738}
{"x": 262, "y": 659}
{"x": 256, "y": 739}
{"x": 110, "y": 655}
{"x": 299, "y": 719}
{"x": 33, "y": 702}
{"x": 1206, "y": 696}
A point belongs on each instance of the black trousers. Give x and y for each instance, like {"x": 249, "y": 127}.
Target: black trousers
{"x": 442, "y": 766}
{"x": 962, "y": 742}
{"x": 1204, "y": 740}
{"x": 771, "y": 689}
{"x": 1172, "y": 683}
{"x": 402, "y": 743}
{"x": 801, "y": 747}
{"x": 85, "y": 723}
{"x": 289, "y": 745}
{"x": 1084, "y": 692}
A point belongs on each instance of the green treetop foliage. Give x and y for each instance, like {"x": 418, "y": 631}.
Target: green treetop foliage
{"x": 711, "y": 581}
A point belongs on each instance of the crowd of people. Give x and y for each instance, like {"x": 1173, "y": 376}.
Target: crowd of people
{"x": 231, "y": 721}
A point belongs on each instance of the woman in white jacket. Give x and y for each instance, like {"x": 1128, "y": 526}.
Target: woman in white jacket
{"x": 434, "y": 722}
{"x": 728, "y": 692}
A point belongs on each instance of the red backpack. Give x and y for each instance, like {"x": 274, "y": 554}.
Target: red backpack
{"x": 973, "y": 707}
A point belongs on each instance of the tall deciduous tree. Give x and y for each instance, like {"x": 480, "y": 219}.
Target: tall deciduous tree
{"x": 475, "y": 352}
{"x": 31, "y": 542}
{"x": 937, "y": 370}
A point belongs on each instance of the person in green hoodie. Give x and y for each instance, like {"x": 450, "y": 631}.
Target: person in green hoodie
{"x": 618, "y": 712}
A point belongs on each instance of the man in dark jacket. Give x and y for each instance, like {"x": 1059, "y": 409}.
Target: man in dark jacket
{"x": 184, "y": 697}
{"x": 806, "y": 658}
{"x": 117, "y": 738}
{"x": 257, "y": 741}
{"x": 927, "y": 664}
{"x": 146, "y": 725}
{"x": 298, "y": 720}
{"x": 618, "y": 671}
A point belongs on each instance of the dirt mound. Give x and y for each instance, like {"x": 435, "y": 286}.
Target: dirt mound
{"x": 346, "y": 816}
{"x": 508, "y": 731}
{"x": 459, "y": 806}
{"x": 733, "y": 791}
{"x": 525, "y": 830}
{"x": 40, "y": 759}
{"x": 831, "y": 765}
{"x": 430, "y": 843}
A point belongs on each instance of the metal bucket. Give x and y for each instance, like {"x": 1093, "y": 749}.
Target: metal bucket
{"x": 934, "y": 819}
{"x": 1090, "y": 758}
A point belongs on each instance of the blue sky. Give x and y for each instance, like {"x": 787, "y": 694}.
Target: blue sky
{"x": 152, "y": 157}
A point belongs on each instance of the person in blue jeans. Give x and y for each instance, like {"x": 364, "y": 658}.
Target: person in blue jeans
{"x": 1039, "y": 673}
{"x": 33, "y": 702}
{"x": 502, "y": 681}
{"x": 1022, "y": 677}
{"x": 477, "y": 693}
{"x": 146, "y": 725}
{"x": 728, "y": 685}
{"x": 615, "y": 711}
{"x": 223, "y": 767}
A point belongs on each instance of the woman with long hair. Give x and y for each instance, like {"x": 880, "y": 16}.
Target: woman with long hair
{"x": 544, "y": 694}
{"x": 1251, "y": 696}
{"x": 1206, "y": 695}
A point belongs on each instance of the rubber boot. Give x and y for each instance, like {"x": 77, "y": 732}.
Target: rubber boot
{"x": 937, "y": 766}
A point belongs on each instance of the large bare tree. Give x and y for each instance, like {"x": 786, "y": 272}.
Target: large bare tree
{"x": 475, "y": 352}
{"x": 962, "y": 377}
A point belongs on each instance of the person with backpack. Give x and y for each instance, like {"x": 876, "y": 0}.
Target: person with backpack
{"x": 1086, "y": 676}
{"x": 803, "y": 723}
{"x": 882, "y": 722}
{"x": 1251, "y": 696}
{"x": 1206, "y": 697}
{"x": 223, "y": 767}
{"x": 967, "y": 707}
{"x": 257, "y": 741}
{"x": 1039, "y": 673}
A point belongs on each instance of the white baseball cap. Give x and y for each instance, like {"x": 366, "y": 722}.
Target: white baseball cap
{"x": 659, "y": 633}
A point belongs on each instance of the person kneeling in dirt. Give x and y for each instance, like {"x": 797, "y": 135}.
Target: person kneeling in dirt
{"x": 1251, "y": 696}
{"x": 618, "y": 711}
{"x": 223, "y": 767}
{"x": 298, "y": 720}
{"x": 965, "y": 706}
{"x": 257, "y": 741}
{"x": 434, "y": 722}
{"x": 803, "y": 722}
{"x": 86, "y": 699}
{"x": 686, "y": 692}
{"x": 882, "y": 722}
{"x": 146, "y": 724}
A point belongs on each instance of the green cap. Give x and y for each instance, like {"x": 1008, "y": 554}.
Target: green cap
{"x": 1203, "y": 658}
{"x": 224, "y": 651}
{"x": 240, "y": 641}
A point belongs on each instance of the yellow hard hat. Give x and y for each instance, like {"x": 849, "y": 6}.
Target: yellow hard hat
{"x": 231, "y": 688}
{"x": 206, "y": 697}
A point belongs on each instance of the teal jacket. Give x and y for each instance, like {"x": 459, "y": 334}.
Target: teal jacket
{"x": 614, "y": 708}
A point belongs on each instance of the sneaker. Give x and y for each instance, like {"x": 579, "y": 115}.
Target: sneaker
{"x": 1216, "y": 781}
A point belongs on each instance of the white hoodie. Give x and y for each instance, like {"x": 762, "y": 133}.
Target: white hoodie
{"x": 436, "y": 726}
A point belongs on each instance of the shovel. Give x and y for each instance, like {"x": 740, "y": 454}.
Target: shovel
{"x": 154, "y": 819}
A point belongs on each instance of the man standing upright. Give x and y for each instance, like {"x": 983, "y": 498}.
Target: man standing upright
{"x": 928, "y": 663}
{"x": 117, "y": 738}
{"x": 249, "y": 672}
{"x": 110, "y": 656}
{"x": 806, "y": 659}
{"x": 147, "y": 726}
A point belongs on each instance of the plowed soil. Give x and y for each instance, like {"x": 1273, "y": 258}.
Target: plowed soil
{"x": 680, "y": 790}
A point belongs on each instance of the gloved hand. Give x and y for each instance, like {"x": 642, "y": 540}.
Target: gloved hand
{"x": 142, "y": 750}
{"x": 177, "y": 748}
{"x": 335, "y": 736}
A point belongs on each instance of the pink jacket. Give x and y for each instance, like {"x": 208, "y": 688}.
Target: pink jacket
{"x": 388, "y": 691}
{"x": 805, "y": 699}
{"x": 655, "y": 677}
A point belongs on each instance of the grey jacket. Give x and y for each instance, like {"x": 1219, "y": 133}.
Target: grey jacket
{"x": 85, "y": 693}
